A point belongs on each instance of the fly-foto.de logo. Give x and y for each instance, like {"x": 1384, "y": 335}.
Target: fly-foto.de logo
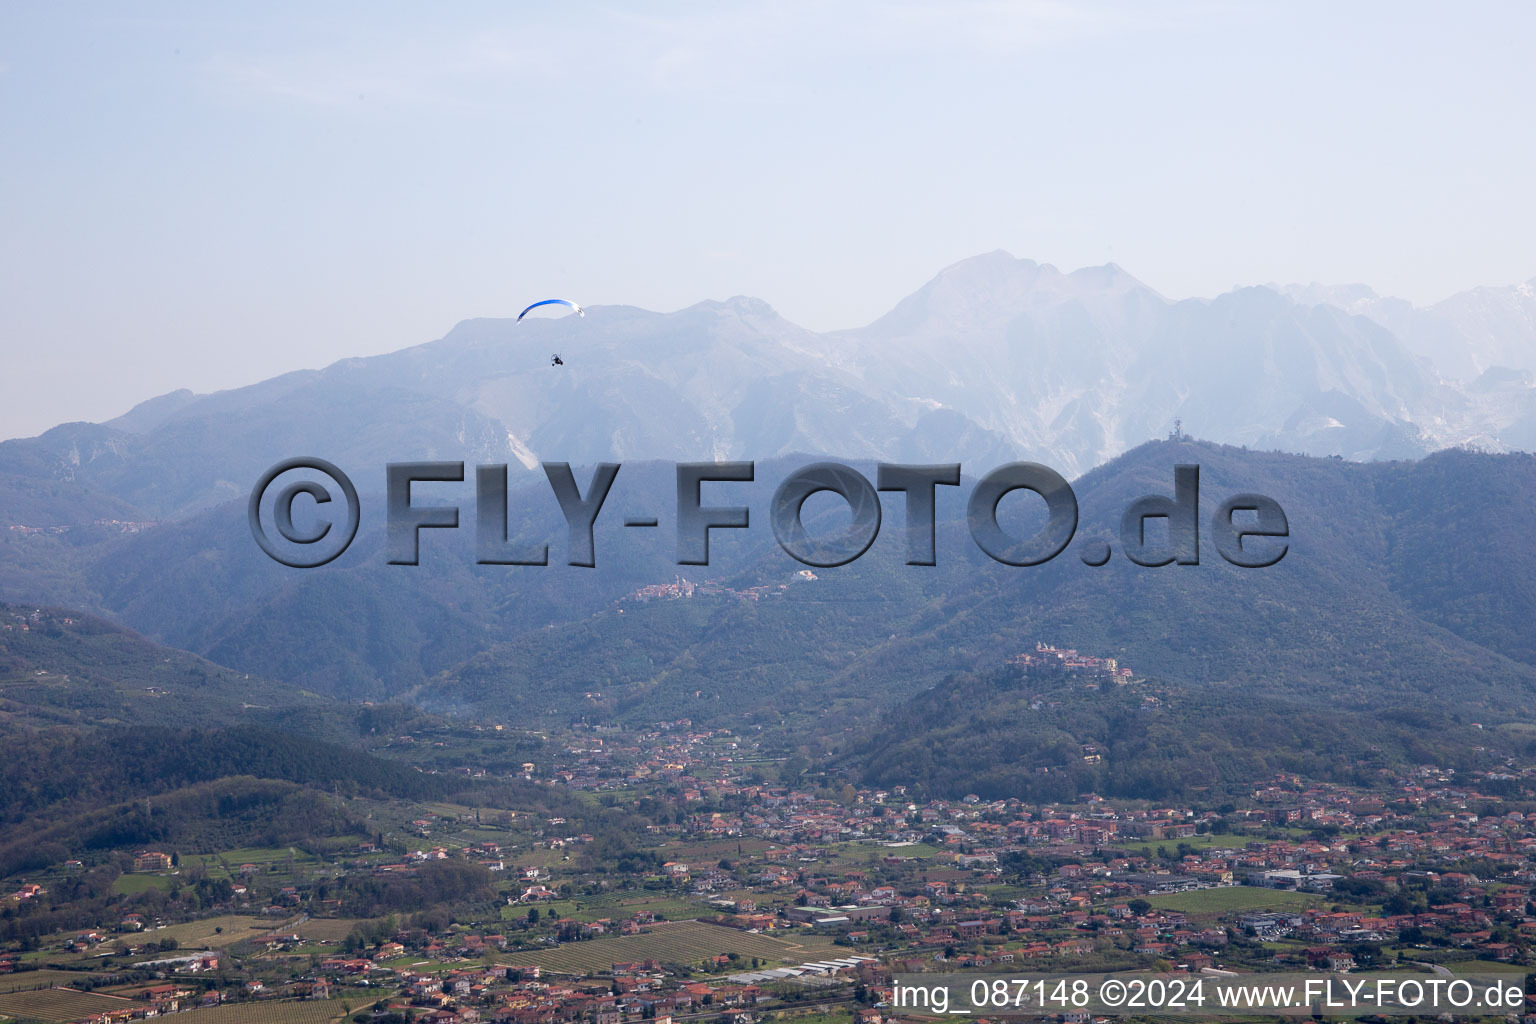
{"x": 1248, "y": 530}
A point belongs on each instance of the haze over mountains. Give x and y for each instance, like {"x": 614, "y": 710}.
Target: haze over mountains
{"x": 1464, "y": 336}
{"x": 1405, "y": 579}
{"x": 995, "y": 359}
{"x": 1395, "y": 631}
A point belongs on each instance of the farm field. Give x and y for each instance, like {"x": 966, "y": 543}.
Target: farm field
{"x": 415, "y": 964}
{"x": 58, "y": 1004}
{"x": 813, "y": 1017}
{"x": 613, "y": 905}
{"x": 913, "y": 851}
{"x": 268, "y": 859}
{"x": 1234, "y": 897}
{"x": 1212, "y": 840}
{"x": 535, "y": 858}
{"x": 215, "y": 932}
{"x": 683, "y": 943}
{"x": 709, "y": 852}
{"x": 134, "y": 885}
{"x": 25, "y": 980}
{"x": 859, "y": 853}
{"x": 326, "y": 929}
{"x": 1209, "y": 841}
{"x": 264, "y": 855}
{"x": 318, "y": 1011}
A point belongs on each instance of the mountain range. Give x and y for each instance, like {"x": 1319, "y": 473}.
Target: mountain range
{"x": 1406, "y": 586}
{"x": 1404, "y": 581}
{"x": 995, "y": 359}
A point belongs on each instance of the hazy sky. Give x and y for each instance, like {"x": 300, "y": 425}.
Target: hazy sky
{"x": 203, "y": 195}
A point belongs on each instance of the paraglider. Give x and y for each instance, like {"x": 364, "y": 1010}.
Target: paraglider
{"x": 555, "y": 359}
{"x": 551, "y": 302}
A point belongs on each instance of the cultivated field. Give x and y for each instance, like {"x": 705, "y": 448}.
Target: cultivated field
{"x": 613, "y": 905}
{"x": 58, "y": 1004}
{"x": 326, "y": 929}
{"x": 135, "y": 885}
{"x": 710, "y": 852}
{"x": 318, "y": 1011}
{"x": 39, "y": 979}
{"x": 208, "y": 934}
{"x": 267, "y": 859}
{"x": 835, "y": 1016}
{"x": 686, "y": 942}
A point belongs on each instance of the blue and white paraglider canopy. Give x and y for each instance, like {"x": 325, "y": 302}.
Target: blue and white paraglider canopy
{"x": 551, "y": 302}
